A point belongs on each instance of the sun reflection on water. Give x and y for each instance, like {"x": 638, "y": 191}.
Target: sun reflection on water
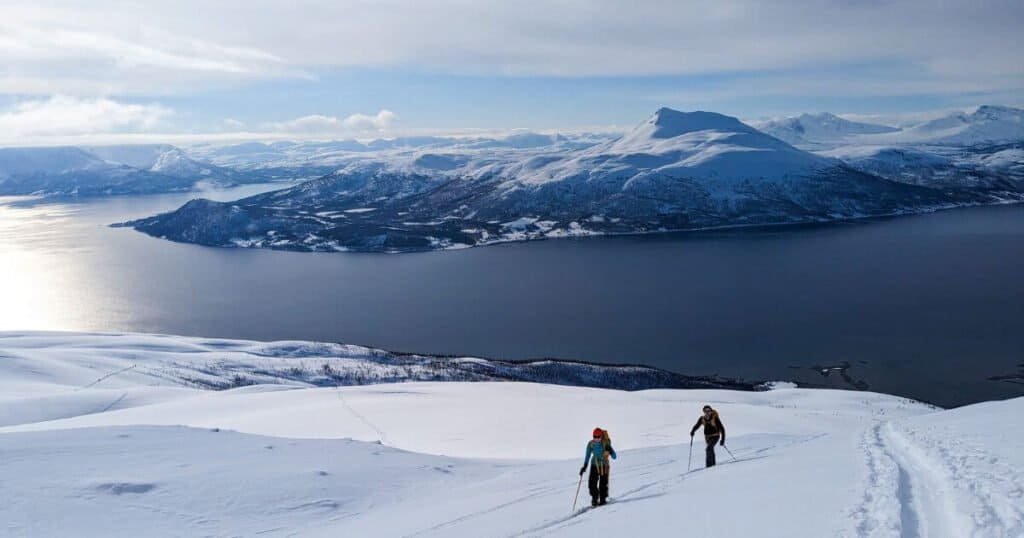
{"x": 31, "y": 277}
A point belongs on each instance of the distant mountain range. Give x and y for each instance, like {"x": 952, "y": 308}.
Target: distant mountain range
{"x": 988, "y": 124}
{"x": 675, "y": 171}
{"x": 107, "y": 170}
{"x": 285, "y": 154}
{"x": 823, "y": 127}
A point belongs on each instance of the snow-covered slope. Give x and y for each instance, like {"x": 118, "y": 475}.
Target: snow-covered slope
{"x": 299, "y": 155}
{"x": 60, "y": 364}
{"x": 162, "y": 158}
{"x": 74, "y": 171}
{"x": 987, "y": 124}
{"x": 818, "y": 128}
{"x": 145, "y": 456}
{"x": 57, "y": 160}
{"x": 996, "y": 169}
{"x": 109, "y": 170}
{"x": 685, "y": 144}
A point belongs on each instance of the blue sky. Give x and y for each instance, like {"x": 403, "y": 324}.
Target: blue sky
{"x": 119, "y": 70}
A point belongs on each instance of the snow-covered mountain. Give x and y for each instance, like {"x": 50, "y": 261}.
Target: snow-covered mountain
{"x": 675, "y": 171}
{"x": 998, "y": 168}
{"x": 160, "y": 158}
{"x": 109, "y": 170}
{"x": 702, "y": 145}
{"x": 818, "y": 128}
{"x": 72, "y": 171}
{"x": 988, "y": 124}
{"x": 306, "y": 154}
{"x": 56, "y": 160}
{"x": 97, "y": 441}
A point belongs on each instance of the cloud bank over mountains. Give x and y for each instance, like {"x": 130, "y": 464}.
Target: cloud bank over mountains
{"x": 133, "y": 63}
{"x": 67, "y": 120}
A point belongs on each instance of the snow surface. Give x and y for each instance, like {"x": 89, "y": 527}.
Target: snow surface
{"x": 817, "y": 128}
{"x": 987, "y": 124}
{"x": 131, "y": 453}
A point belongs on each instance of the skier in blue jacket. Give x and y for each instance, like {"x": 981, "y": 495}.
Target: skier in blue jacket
{"x": 598, "y": 451}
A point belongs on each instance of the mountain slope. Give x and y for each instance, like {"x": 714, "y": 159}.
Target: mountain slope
{"x": 161, "y": 158}
{"x": 56, "y": 160}
{"x": 987, "y": 124}
{"x": 996, "y": 170}
{"x": 110, "y": 170}
{"x": 172, "y": 364}
{"x": 481, "y": 459}
{"x": 696, "y": 145}
{"x": 818, "y": 128}
{"x": 675, "y": 171}
{"x": 72, "y": 171}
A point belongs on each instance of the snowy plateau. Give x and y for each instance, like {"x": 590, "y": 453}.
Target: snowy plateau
{"x": 146, "y": 435}
{"x": 675, "y": 171}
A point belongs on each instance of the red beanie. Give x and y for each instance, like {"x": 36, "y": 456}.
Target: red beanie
{"x": 598, "y": 432}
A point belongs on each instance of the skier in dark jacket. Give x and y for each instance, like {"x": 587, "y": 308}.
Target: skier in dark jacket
{"x": 714, "y": 432}
{"x": 599, "y": 448}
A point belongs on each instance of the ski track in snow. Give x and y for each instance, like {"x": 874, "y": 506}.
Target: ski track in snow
{"x": 660, "y": 487}
{"x": 108, "y": 376}
{"x": 382, "y": 438}
{"x": 936, "y": 487}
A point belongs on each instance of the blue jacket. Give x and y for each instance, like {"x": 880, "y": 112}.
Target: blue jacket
{"x": 596, "y": 449}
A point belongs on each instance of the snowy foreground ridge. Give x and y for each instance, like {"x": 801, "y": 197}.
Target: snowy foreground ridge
{"x": 89, "y": 449}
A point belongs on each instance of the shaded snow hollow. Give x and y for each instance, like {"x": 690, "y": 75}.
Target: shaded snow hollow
{"x": 140, "y": 455}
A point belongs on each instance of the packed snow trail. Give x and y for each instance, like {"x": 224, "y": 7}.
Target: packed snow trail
{"x": 947, "y": 479}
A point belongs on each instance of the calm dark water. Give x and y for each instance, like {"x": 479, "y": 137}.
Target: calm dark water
{"x": 927, "y": 306}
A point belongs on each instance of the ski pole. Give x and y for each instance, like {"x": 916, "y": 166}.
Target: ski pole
{"x": 689, "y": 460}
{"x": 729, "y": 451}
{"x": 576, "y": 498}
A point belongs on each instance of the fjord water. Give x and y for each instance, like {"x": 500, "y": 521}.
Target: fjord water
{"x": 929, "y": 306}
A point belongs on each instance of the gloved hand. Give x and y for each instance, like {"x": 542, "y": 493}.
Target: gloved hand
{"x": 691, "y": 434}
{"x": 722, "y": 442}
{"x": 583, "y": 470}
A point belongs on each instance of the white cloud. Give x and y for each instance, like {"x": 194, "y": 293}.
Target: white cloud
{"x": 99, "y": 49}
{"x": 362, "y": 122}
{"x": 68, "y": 116}
{"x": 71, "y": 120}
{"x": 231, "y": 124}
{"x": 332, "y": 125}
{"x": 163, "y": 46}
